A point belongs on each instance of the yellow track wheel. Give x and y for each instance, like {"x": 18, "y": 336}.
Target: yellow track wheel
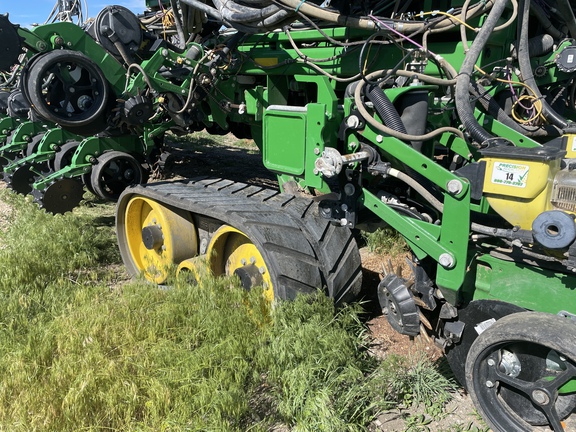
{"x": 194, "y": 270}
{"x": 231, "y": 252}
{"x": 156, "y": 238}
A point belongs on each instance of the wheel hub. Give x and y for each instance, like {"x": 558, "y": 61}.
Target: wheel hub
{"x": 152, "y": 237}
{"x": 249, "y": 276}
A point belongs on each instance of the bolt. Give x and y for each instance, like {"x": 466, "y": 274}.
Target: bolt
{"x": 379, "y": 138}
{"x": 343, "y": 222}
{"x": 491, "y": 362}
{"x": 316, "y": 172}
{"x": 243, "y": 261}
{"x": 353, "y": 122}
{"x": 454, "y": 186}
{"x": 262, "y": 270}
{"x": 252, "y": 260}
{"x": 489, "y": 384}
{"x": 446, "y": 260}
{"x": 316, "y": 151}
{"x": 349, "y": 189}
{"x": 344, "y": 207}
{"x": 540, "y": 397}
{"x": 165, "y": 52}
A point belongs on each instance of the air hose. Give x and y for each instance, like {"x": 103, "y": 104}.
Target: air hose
{"x": 385, "y": 108}
{"x": 463, "y": 106}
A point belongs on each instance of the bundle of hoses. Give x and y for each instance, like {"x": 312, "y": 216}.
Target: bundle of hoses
{"x": 256, "y": 16}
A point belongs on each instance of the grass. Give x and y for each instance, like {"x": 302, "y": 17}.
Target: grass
{"x": 79, "y": 352}
{"x": 385, "y": 241}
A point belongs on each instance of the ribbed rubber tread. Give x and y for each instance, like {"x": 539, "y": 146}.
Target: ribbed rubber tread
{"x": 302, "y": 250}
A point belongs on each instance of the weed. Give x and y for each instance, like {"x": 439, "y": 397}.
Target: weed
{"x": 385, "y": 240}
{"x": 413, "y": 382}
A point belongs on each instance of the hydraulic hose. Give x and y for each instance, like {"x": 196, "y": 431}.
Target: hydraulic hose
{"x": 526, "y": 67}
{"x": 389, "y": 131}
{"x": 414, "y": 184}
{"x": 462, "y": 96}
{"x": 385, "y": 108}
{"x": 197, "y": 4}
{"x": 178, "y": 22}
{"x": 546, "y": 23}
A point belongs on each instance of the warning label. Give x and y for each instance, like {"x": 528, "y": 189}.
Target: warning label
{"x": 509, "y": 174}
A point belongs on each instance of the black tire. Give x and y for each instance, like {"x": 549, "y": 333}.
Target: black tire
{"x": 32, "y": 146}
{"x": 513, "y": 359}
{"x": 68, "y": 88}
{"x": 63, "y": 157}
{"x": 471, "y": 315}
{"x": 114, "y": 172}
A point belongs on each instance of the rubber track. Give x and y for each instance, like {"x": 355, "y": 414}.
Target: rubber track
{"x": 303, "y": 251}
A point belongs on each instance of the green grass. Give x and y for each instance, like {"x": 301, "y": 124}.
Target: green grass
{"x": 385, "y": 241}
{"x": 79, "y": 352}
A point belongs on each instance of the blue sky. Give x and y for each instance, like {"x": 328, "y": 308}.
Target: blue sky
{"x": 25, "y": 12}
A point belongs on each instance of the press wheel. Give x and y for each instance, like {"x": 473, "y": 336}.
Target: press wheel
{"x": 63, "y": 157}
{"x": 154, "y": 238}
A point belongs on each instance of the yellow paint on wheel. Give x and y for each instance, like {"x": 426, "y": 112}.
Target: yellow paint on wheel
{"x": 230, "y": 250}
{"x": 176, "y": 237}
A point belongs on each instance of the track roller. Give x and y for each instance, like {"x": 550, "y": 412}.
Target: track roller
{"x": 231, "y": 252}
{"x": 155, "y": 238}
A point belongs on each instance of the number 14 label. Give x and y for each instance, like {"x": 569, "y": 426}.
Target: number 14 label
{"x": 509, "y": 174}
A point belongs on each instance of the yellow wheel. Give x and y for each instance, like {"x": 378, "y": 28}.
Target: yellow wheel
{"x": 155, "y": 238}
{"x": 193, "y": 270}
{"x": 231, "y": 252}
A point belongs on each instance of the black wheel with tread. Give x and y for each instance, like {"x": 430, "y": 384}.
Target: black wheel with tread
{"x": 515, "y": 371}
{"x": 68, "y": 88}
{"x": 113, "y": 173}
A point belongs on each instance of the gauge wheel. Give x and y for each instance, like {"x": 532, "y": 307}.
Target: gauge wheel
{"x": 521, "y": 372}
{"x": 113, "y": 173}
{"x": 68, "y": 88}
{"x": 63, "y": 157}
{"x": 154, "y": 239}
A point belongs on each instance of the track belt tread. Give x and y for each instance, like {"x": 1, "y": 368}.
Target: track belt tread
{"x": 304, "y": 250}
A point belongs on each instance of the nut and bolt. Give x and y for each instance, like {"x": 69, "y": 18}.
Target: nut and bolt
{"x": 446, "y": 260}
{"x": 540, "y": 397}
{"x": 353, "y": 122}
{"x": 316, "y": 151}
{"x": 489, "y": 384}
{"x": 379, "y": 138}
{"x": 491, "y": 362}
{"x": 454, "y": 186}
